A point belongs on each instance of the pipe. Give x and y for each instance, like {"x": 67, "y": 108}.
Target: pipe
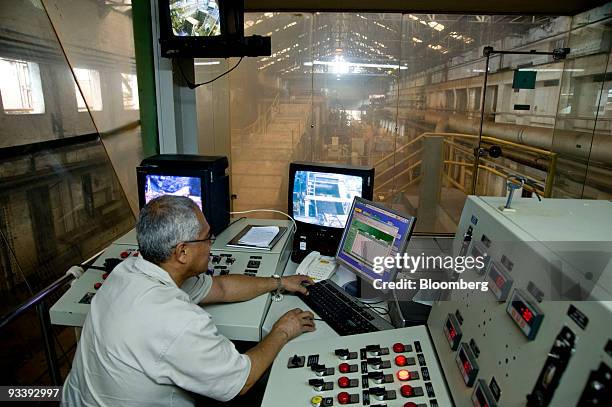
{"x": 564, "y": 142}
{"x": 595, "y": 176}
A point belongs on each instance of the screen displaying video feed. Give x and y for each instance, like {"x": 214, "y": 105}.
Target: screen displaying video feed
{"x": 158, "y": 185}
{"x": 195, "y": 18}
{"x": 324, "y": 199}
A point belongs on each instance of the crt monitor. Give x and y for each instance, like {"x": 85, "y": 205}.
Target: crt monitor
{"x": 372, "y": 230}
{"x": 320, "y": 198}
{"x": 156, "y": 185}
{"x": 199, "y": 178}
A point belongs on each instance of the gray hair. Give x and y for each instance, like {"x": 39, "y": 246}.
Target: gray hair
{"x": 163, "y": 223}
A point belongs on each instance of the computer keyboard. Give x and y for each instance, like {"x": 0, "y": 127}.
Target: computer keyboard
{"x": 341, "y": 312}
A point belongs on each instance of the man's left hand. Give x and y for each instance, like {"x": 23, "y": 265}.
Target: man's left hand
{"x": 296, "y": 284}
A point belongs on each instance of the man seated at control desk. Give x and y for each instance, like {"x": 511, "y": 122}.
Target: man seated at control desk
{"x": 147, "y": 342}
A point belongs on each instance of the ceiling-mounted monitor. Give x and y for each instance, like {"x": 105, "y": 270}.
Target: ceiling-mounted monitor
{"x": 207, "y": 29}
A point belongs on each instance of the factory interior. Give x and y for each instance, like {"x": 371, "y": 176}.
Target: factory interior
{"x": 426, "y": 94}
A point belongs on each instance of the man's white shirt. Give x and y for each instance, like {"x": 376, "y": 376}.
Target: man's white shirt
{"x": 147, "y": 342}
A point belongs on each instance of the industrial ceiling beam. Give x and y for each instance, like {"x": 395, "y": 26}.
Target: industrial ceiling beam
{"x": 546, "y": 7}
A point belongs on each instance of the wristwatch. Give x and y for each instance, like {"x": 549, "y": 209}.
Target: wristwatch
{"x": 277, "y": 296}
{"x": 279, "y": 283}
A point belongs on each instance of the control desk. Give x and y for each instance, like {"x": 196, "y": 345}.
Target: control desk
{"x": 540, "y": 336}
{"x": 239, "y": 321}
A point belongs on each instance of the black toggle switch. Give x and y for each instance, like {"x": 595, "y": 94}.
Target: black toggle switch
{"x": 378, "y": 392}
{"x": 316, "y": 366}
{"x": 376, "y": 362}
{"x": 374, "y": 349}
{"x": 321, "y": 370}
{"x": 378, "y": 377}
{"x": 342, "y": 353}
{"x": 316, "y": 383}
{"x": 296, "y": 361}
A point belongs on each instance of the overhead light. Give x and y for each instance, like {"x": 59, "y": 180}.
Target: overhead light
{"x": 208, "y": 63}
{"x": 551, "y": 70}
{"x": 341, "y": 64}
{"x": 436, "y": 26}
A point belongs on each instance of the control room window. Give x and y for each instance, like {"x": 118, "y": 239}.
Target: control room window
{"x": 20, "y": 87}
{"x": 129, "y": 89}
{"x": 89, "y": 81}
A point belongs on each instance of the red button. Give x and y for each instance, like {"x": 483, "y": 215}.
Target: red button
{"x": 403, "y": 375}
{"x": 398, "y": 347}
{"x": 410, "y": 404}
{"x": 97, "y": 285}
{"x": 104, "y": 276}
{"x": 344, "y": 382}
{"x": 401, "y": 360}
{"x": 124, "y": 255}
{"x": 344, "y": 367}
{"x": 406, "y": 390}
{"x": 344, "y": 398}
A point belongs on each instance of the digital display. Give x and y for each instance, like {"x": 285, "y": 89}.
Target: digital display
{"x": 523, "y": 310}
{"x": 324, "y": 199}
{"x": 158, "y": 185}
{"x": 500, "y": 283}
{"x": 480, "y": 251}
{"x": 482, "y": 397}
{"x": 467, "y": 365}
{"x": 452, "y": 331}
{"x": 526, "y": 315}
{"x": 195, "y": 18}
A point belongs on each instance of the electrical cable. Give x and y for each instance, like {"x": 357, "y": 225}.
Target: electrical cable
{"x": 267, "y": 210}
{"x": 192, "y": 85}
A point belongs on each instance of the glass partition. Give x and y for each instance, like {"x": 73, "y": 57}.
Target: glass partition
{"x": 403, "y": 93}
{"x": 60, "y": 198}
{"x": 101, "y": 54}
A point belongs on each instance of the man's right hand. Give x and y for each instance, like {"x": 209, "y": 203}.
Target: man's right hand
{"x": 294, "y": 323}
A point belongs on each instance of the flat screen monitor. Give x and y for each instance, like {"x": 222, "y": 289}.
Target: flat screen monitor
{"x": 373, "y": 230}
{"x": 207, "y": 29}
{"x": 320, "y": 198}
{"x": 158, "y": 185}
{"x": 323, "y": 198}
{"x": 195, "y": 18}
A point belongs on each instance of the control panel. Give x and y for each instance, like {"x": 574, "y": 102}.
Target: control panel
{"x": 240, "y": 321}
{"x": 72, "y": 308}
{"x": 396, "y": 368}
{"x": 540, "y": 336}
{"x": 250, "y": 264}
